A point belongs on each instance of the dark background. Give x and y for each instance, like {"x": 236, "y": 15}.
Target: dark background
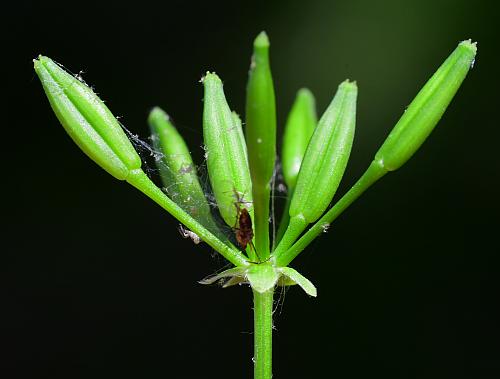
{"x": 98, "y": 281}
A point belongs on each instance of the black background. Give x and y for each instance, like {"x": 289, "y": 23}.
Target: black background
{"x": 98, "y": 281}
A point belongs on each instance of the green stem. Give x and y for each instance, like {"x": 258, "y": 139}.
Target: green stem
{"x": 296, "y": 226}
{"x": 140, "y": 180}
{"x": 285, "y": 219}
{"x": 263, "y": 334}
{"x": 261, "y": 212}
{"x": 374, "y": 172}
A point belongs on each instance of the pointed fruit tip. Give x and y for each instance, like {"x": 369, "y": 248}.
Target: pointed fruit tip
{"x": 157, "y": 112}
{"x": 348, "y": 84}
{"x": 469, "y": 44}
{"x": 210, "y": 76}
{"x": 262, "y": 40}
{"x": 304, "y": 92}
{"x": 38, "y": 60}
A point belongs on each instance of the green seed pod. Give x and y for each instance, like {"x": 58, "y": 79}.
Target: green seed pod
{"x": 326, "y": 156}
{"x": 225, "y": 152}
{"x": 176, "y": 168}
{"x": 299, "y": 128}
{"x": 261, "y": 138}
{"x": 324, "y": 163}
{"x": 241, "y": 136}
{"x": 426, "y": 109}
{"x": 298, "y": 131}
{"x": 87, "y": 120}
{"x": 261, "y": 114}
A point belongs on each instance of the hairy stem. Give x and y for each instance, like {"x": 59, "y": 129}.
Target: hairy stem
{"x": 263, "y": 334}
{"x": 139, "y": 180}
{"x": 261, "y": 211}
{"x": 285, "y": 219}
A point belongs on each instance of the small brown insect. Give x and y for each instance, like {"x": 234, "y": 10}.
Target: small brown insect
{"x": 244, "y": 230}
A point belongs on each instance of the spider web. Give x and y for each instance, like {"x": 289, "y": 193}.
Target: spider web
{"x": 153, "y": 163}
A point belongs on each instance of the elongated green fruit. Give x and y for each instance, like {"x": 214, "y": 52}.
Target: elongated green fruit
{"x": 241, "y": 136}
{"x": 324, "y": 163}
{"x": 87, "y": 120}
{"x": 226, "y": 153}
{"x": 176, "y": 165}
{"x": 426, "y": 109}
{"x": 406, "y": 137}
{"x": 167, "y": 142}
{"x": 261, "y": 114}
{"x": 326, "y": 156}
{"x": 177, "y": 169}
{"x": 261, "y": 138}
{"x": 299, "y": 128}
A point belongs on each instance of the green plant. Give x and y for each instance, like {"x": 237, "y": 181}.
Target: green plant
{"x": 241, "y": 167}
